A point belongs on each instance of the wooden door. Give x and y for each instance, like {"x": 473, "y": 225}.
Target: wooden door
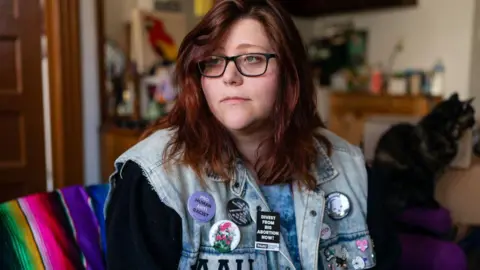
{"x": 22, "y": 149}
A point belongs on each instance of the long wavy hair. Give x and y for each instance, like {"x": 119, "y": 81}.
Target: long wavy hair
{"x": 200, "y": 140}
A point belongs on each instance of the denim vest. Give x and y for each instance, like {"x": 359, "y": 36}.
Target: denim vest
{"x": 345, "y": 245}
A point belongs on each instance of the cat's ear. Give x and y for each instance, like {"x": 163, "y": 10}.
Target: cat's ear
{"x": 454, "y": 96}
{"x": 467, "y": 103}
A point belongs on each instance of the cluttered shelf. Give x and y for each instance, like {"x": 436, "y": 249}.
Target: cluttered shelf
{"x": 348, "y": 111}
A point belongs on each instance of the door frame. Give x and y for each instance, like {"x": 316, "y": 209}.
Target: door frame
{"x": 62, "y": 24}
{"x": 99, "y": 6}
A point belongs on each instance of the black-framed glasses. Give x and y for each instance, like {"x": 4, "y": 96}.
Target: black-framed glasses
{"x": 249, "y": 65}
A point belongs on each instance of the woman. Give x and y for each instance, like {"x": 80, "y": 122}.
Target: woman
{"x": 241, "y": 174}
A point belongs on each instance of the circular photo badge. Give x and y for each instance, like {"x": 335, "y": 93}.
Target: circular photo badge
{"x": 224, "y": 236}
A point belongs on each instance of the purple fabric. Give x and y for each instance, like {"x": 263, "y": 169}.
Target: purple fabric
{"x": 85, "y": 224}
{"x": 98, "y": 195}
{"x": 434, "y": 220}
{"x": 426, "y": 253}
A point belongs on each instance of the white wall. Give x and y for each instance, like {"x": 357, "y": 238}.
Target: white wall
{"x": 305, "y": 27}
{"x": 435, "y": 29}
{"x": 116, "y": 14}
{"x": 91, "y": 104}
{"x": 475, "y": 59}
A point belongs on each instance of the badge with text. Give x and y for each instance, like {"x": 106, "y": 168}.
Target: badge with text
{"x": 201, "y": 206}
{"x": 268, "y": 231}
{"x": 239, "y": 212}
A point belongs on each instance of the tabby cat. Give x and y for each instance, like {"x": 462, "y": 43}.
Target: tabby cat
{"x": 410, "y": 158}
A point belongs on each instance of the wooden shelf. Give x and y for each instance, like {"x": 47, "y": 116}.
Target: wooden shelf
{"x": 114, "y": 141}
{"x": 114, "y": 129}
{"x": 348, "y": 111}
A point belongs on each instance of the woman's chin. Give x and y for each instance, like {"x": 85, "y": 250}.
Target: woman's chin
{"x": 248, "y": 128}
{"x": 238, "y": 126}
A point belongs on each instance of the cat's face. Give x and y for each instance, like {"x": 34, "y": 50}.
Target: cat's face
{"x": 456, "y": 116}
{"x": 441, "y": 129}
{"x": 467, "y": 117}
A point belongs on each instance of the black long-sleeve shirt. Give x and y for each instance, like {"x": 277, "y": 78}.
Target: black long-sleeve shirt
{"x": 144, "y": 233}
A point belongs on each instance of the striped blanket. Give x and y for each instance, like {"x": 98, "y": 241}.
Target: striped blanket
{"x": 60, "y": 230}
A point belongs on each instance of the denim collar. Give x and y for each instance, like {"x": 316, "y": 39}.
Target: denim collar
{"x": 322, "y": 170}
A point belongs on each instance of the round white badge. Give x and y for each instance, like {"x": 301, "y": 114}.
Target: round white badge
{"x": 337, "y": 205}
{"x": 325, "y": 232}
{"x": 358, "y": 263}
{"x": 224, "y": 236}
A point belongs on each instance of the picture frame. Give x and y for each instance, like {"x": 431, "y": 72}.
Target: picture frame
{"x": 144, "y": 50}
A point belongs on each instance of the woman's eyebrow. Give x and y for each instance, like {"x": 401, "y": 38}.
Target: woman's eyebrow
{"x": 248, "y": 45}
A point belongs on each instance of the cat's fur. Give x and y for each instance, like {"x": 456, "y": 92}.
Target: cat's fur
{"x": 411, "y": 157}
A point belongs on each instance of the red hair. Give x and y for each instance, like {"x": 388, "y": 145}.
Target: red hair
{"x": 201, "y": 140}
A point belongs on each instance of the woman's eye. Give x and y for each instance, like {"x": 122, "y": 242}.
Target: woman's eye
{"x": 252, "y": 59}
{"x": 213, "y": 61}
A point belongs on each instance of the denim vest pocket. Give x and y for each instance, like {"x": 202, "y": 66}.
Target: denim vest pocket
{"x": 350, "y": 252}
{"x": 239, "y": 258}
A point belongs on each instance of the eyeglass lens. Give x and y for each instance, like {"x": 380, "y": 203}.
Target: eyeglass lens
{"x": 248, "y": 65}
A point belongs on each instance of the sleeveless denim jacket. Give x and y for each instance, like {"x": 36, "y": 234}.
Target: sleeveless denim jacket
{"x": 346, "y": 245}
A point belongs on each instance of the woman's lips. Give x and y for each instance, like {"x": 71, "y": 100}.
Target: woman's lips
{"x": 234, "y": 100}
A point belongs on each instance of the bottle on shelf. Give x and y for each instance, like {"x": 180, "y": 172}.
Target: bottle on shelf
{"x": 437, "y": 80}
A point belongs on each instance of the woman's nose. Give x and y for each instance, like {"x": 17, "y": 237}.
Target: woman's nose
{"x": 232, "y": 76}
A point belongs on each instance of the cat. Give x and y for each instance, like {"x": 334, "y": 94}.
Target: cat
{"x": 410, "y": 158}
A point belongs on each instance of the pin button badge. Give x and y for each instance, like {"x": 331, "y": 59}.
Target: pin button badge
{"x": 341, "y": 262}
{"x": 325, "y": 232}
{"x": 362, "y": 244}
{"x": 329, "y": 254}
{"x": 201, "y": 206}
{"x": 224, "y": 236}
{"x": 337, "y": 205}
{"x": 239, "y": 212}
{"x": 358, "y": 263}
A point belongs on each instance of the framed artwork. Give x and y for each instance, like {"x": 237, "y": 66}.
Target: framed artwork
{"x": 357, "y": 48}
{"x": 155, "y": 37}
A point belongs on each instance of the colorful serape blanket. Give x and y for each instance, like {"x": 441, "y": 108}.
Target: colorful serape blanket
{"x": 61, "y": 230}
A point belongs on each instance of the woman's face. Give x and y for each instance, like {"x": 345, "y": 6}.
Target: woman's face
{"x": 239, "y": 102}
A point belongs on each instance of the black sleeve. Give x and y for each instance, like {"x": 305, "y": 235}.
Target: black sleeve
{"x": 142, "y": 232}
{"x": 381, "y": 225}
